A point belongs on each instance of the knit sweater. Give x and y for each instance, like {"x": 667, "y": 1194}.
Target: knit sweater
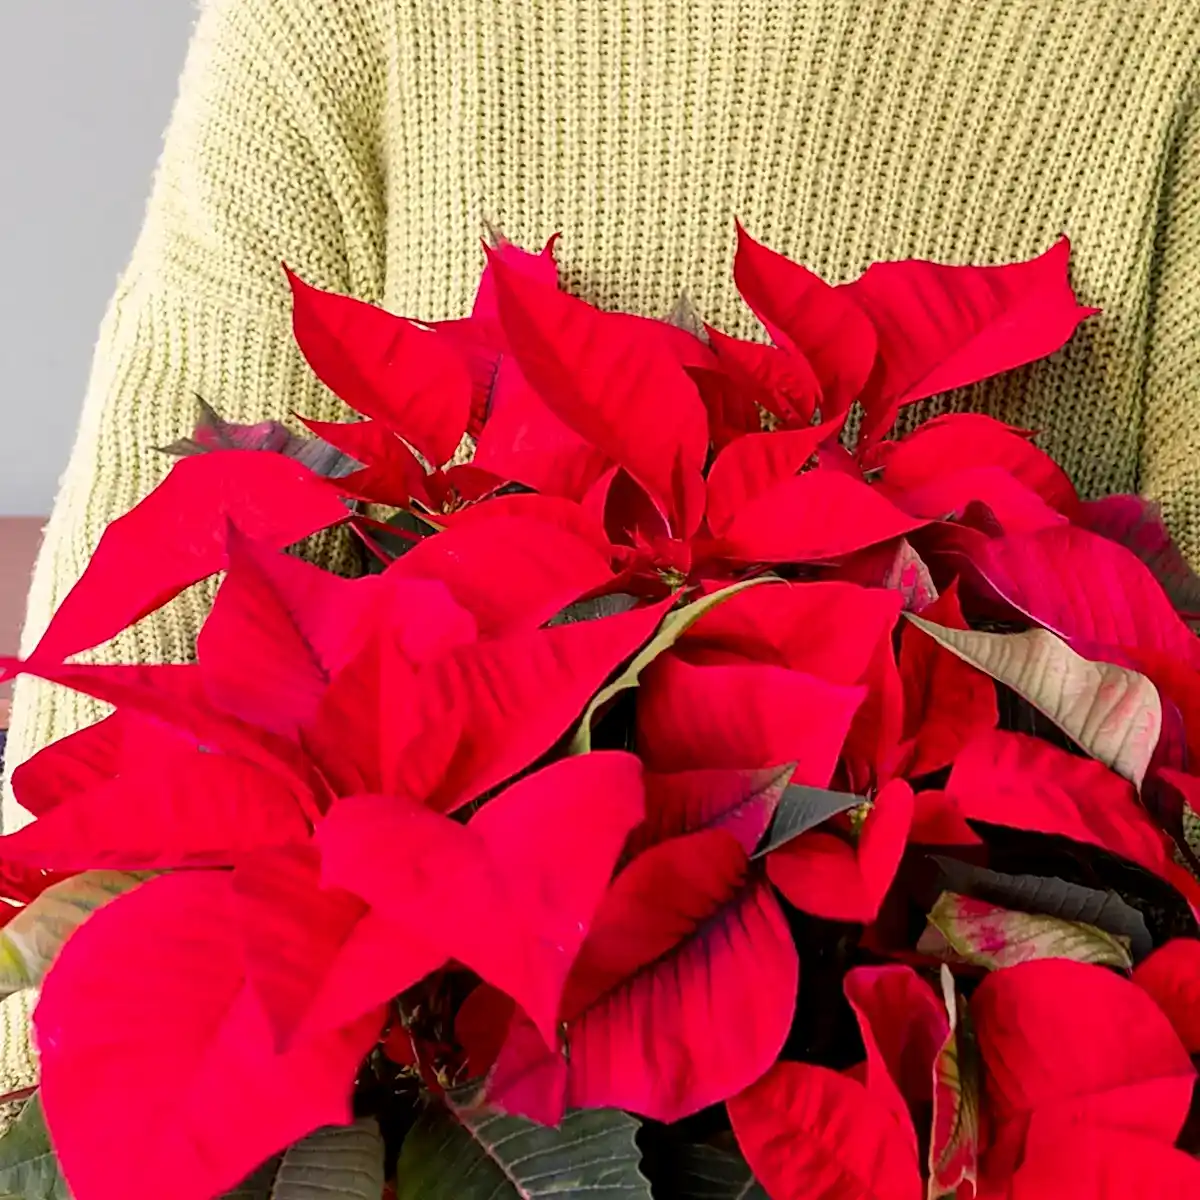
{"x": 365, "y": 142}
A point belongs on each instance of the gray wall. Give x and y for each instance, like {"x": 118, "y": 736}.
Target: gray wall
{"x": 86, "y": 87}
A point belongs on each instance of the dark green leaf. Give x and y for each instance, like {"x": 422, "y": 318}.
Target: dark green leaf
{"x": 449, "y": 1156}
{"x": 591, "y": 610}
{"x": 801, "y": 809}
{"x": 1051, "y": 896}
{"x": 213, "y": 432}
{"x": 338, "y": 1163}
{"x": 258, "y": 1185}
{"x": 28, "y": 1167}
{"x": 699, "y": 1172}
{"x": 410, "y": 530}
{"x": 333, "y": 1164}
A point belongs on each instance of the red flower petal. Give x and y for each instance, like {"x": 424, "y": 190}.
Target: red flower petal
{"x": 83, "y": 760}
{"x": 684, "y": 992}
{"x": 512, "y": 894}
{"x": 1171, "y": 975}
{"x": 504, "y": 703}
{"x": 558, "y": 834}
{"x": 389, "y": 368}
{"x": 742, "y": 802}
{"x": 178, "y": 535}
{"x": 752, "y": 465}
{"x": 947, "y": 702}
{"x": 895, "y": 566}
{"x": 278, "y": 630}
{"x": 173, "y": 696}
{"x": 943, "y": 327}
{"x": 445, "y": 886}
{"x": 822, "y": 874}
{"x": 731, "y": 411}
{"x": 528, "y": 1078}
{"x": 742, "y": 716}
{"x": 907, "y": 1023}
{"x": 177, "y": 807}
{"x": 1137, "y": 525}
{"x": 1057, "y": 1033}
{"x": 903, "y": 1026}
{"x": 1071, "y": 1161}
{"x": 390, "y": 474}
{"x": 544, "y": 567}
{"x": 1013, "y": 507}
{"x": 551, "y": 510}
{"x": 937, "y": 821}
{"x": 783, "y": 383}
{"x": 802, "y": 312}
{"x": 539, "y": 267}
{"x": 1086, "y": 588}
{"x": 615, "y": 382}
{"x": 348, "y": 736}
{"x": 1020, "y": 782}
{"x": 963, "y": 441}
{"x": 628, "y": 513}
{"x": 873, "y": 748}
{"x": 160, "y": 969}
{"x": 820, "y": 514}
{"x": 831, "y": 630}
{"x": 481, "y": 1027}
{"x": 317, "y": 957}
{"x": 809, "y": 1133}
{"x": 524, "y": 441}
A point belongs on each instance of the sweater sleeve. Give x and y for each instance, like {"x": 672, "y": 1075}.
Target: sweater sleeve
{"x": 1170, "y": 457}
{"x": 272, "y": 153}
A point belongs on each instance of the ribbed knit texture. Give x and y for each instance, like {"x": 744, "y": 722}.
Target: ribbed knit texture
{"x": 364, "y": 142}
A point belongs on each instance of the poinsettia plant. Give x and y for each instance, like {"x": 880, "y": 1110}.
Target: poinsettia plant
{"x": 708, "y": 793}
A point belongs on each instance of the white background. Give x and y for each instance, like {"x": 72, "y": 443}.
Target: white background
{"x": 86, "y": 88}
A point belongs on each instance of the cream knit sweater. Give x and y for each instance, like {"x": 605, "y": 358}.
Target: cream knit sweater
{"x": 364, "y": 141}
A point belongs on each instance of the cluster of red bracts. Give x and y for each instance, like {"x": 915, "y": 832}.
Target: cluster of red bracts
{"x": 304, "y": 785}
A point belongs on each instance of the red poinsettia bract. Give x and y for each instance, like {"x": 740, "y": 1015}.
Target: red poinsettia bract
{"x": 682, "y": 755}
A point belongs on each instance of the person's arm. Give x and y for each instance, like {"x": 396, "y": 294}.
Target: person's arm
{"x": 1170, "y": 460}
{"x": 272, "y": 154}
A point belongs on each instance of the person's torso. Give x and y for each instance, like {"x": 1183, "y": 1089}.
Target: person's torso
{"x": 838, "y": 131}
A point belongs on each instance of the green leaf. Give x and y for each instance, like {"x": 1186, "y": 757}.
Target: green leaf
{"x": 28, "y": 1167}
{"x": 343, "y": 1162}
{"x": 591, "y": 610}
{"x": 1114, "y": 714}
{"x": 1051, "y": 896}
{"x": 674, "y": 626}
{"x": 30, "y": 942}
{"x": 258, "y": 1185}
{"x": 685, "y": 315}
{"x": 954, "y": 1143}
{"x": 213, "y": 432}
{"x": 449, "y": 1156}
{"x": 801, "y": 809}
{"x": 993, "y": 937}
{"x": 1191, "y": 828}
{"x": 700, "y": 1172}
{"x": 410, "y": 529}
